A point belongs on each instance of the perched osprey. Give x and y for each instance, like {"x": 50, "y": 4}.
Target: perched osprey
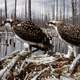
{"x": 30, "y": 33}
{"x": 69, "y": 33}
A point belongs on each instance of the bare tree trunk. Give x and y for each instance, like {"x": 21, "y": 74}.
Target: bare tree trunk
{"x": 64, "y": 10}
{"x": 75, "y": 7}
{"x": 79, "y": 6}
{"x": 6, "y": 35}
{"x": 0, "y": 16}
{"x": 29, "y": 9}
{"x": 60, "y": 14}
{"x": 25, "y": 9}
{"x": 56, "y": 9}
{"x": 78, "y": 10}
{"x": 53, "y": 11}
{"x": 6, "y": 9}
{"x": 15, "y": 9}
{"x": 74, "y": 11}
{"x": 67, "y": 12}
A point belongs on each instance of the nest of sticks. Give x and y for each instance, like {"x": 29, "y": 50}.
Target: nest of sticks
{"x": 22, "y": 65}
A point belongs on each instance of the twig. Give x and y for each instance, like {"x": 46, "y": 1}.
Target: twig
{"x": 40, "y": 72}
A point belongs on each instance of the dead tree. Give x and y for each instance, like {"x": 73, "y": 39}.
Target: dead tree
{"x": 29, "y": 9}
{"x": 79, "y": 11}
{"x": 0, "y": 16}
{"x": 6, "y": 9}
{"x": 25, "y": 9}
{"x": 15, "y": 9}
{"x": 6, "y": 35}
{"x": 75, "y": 7}
{"x": 45, "y": 18}
{"x": 64, "y": 10}
{"x": 60, "y": 14}
{"x": 74, "y": 11}
{"x": 67, "y": 16}
{"x": 60, "y": 10}
{"x": 79, "y": 6}
{"x": 56, "y": 9}
{"x": 53, "y": 10}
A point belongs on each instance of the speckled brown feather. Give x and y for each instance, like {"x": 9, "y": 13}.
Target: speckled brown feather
{"x": 70, "y": 33}
{"x": 30, "y": 32}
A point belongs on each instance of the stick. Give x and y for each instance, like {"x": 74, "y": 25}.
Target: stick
{"x": 40, "y": 72}
{"x": 10, "y": 55}
{"x": 73, "y": 65}
{"x": 13, "y": 62}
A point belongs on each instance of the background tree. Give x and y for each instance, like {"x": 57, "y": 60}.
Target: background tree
{"x": 15, "y": 9}
{"x": 29, "y": 9}
{"x": 64, "y": 10}
{"x": 0, "y": 16}
{"x": 6, "y": 9}
{"x": 53, "y": 10}
{"x": 74, "y": 11}
{"x": 25, "y": 9}
{"x": 56, "y": 9}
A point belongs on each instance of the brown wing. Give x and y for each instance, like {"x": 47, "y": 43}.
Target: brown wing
{"x": 71, "y": 34}
{"x": 30, "y": 32}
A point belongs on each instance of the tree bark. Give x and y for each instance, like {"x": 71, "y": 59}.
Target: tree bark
{"x": 25, "y": 9}
{"x": 15, "y": 9}
{"x": 29, "y": 9}
{"x": 6, "y": 9}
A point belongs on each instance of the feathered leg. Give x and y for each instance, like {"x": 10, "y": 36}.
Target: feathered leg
{"x": 70, "y": 51}
{"x": 27, "y": 47}
{"x": 75, "y": 51}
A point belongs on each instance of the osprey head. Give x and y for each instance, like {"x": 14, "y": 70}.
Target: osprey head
{"x": 55, "y": 23}
{"x": 7, "y": 24}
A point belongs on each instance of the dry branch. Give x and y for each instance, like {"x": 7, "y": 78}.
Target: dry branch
{"x": 41, "y": 67}
{"x": 10, "y": 55}
{"x": 74, "y": 64}
{"x": 12, "y": 63}
{"x": 40, "y": 72}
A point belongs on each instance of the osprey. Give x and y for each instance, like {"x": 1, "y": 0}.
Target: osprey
{"x": 30, "y": 33}
{"x": 69, "y": 33}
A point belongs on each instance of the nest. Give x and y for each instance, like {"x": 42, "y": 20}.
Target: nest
{"x": 26, "y": 66}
